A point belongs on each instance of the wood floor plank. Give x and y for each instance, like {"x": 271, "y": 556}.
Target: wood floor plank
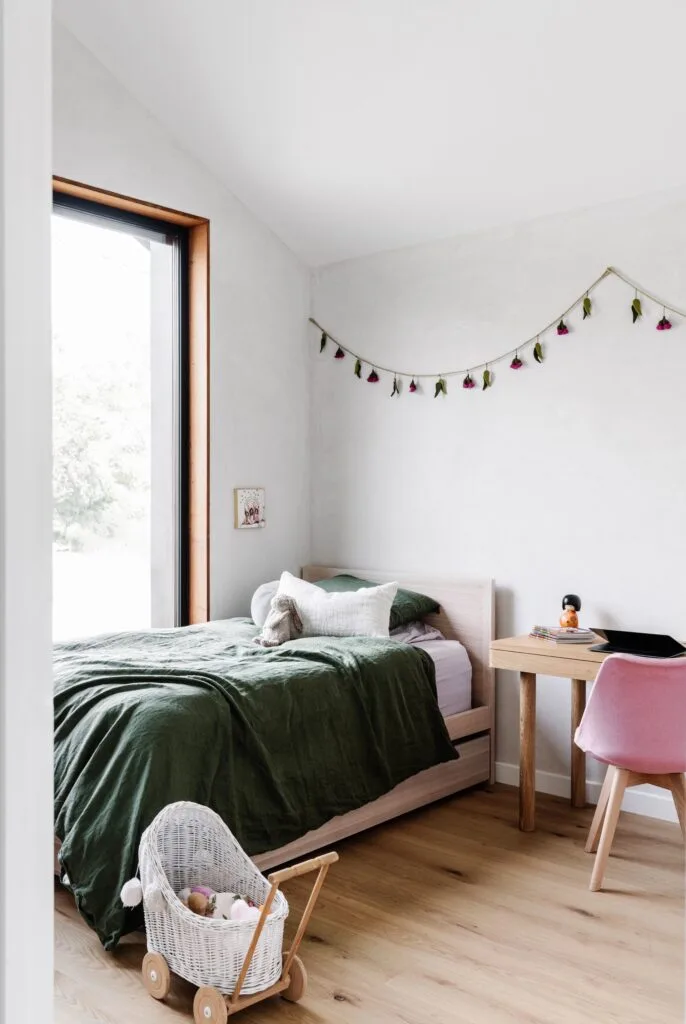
{"x": 449, "y": 914}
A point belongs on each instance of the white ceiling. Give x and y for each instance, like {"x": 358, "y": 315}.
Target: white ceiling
{"x": 351, "y": 126}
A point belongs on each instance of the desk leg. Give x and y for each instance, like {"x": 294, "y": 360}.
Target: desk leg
{"x": 527, "y": 751}
{"x": 578, "y": 756}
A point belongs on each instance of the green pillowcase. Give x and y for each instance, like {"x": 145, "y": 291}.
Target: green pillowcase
{"x": 408, "y": 606}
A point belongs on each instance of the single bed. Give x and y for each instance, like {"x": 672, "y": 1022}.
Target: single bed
{"x": 200, "y": 713}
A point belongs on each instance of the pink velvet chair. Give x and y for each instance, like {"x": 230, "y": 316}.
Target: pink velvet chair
{"x": 635, "y": 722}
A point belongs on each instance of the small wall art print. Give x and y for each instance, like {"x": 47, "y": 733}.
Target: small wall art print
{"x": 248, "y": 508}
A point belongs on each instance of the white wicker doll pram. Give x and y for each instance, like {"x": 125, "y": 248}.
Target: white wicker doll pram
{"x": 186, "y": 845}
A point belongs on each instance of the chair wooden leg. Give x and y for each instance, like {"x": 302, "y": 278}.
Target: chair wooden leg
{"x": 620, "y": 779}
{"x": 597, "y": 823}
{"x": 677, "y": 784}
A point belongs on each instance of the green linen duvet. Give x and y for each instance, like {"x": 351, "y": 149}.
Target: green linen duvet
{"x": 277, "y": 741}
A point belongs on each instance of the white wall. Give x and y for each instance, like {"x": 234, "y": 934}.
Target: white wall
{"x": 568, "y": 476}
{"x": 26, "y": 853}
{"x": 259, "y": 305}
{"x": 473, "y": 483}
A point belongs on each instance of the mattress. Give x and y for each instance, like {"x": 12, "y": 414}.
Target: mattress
{"x": 453, "y": 675}
{"x": 450, "y": 658}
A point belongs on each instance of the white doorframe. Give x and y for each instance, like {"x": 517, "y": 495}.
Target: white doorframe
{"x": 164, "y": 439}
{"x": 26, "y": 827}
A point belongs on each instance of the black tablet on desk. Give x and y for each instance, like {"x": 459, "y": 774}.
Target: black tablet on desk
{"x": 648, "y": 645}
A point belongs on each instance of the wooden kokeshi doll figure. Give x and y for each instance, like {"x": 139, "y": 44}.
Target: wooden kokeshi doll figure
{"x": 570, "y": 606}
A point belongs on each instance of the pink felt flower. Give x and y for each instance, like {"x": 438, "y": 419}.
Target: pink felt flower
{"x": 340, "y": 354}
{"x": 413, "y": 387}
{"x": 516, "y": 363}
{"x": 562, "y": 328}
{"x": 373, "y": 377}
{"x": 468, "y": 382}
{"x": 664, "y": 324}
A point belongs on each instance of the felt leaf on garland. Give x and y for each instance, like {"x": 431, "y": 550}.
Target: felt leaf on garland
{"x": 358, "y": 368}
{"x": 562, "y": 328}
{"x": 538, "y": 352}
{"x": 340, "y": 354}
{"x": 587, "y": 307}
{"x": 516, "y": 363}
{"x": 441, "y": 387}
{"x": 396, "y": 387}
{"x": 468, "y": 382}
{"x": 636, "y": 310}
{"x": 373, "y": 377}
{"x": 487, "y": 380}
{"x": 413, "y": 386}
{"x": 664, "y": 324}
{"x": 322, "y": 343}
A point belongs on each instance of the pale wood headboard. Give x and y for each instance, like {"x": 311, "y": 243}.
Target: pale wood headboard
{"x": 467, "y": 614}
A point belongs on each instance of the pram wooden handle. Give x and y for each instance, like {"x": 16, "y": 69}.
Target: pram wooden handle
{"x": 320, "y": 864}
{"x": 277, "y": 877}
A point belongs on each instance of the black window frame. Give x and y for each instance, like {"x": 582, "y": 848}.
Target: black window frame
{"x": 178, "y": 235}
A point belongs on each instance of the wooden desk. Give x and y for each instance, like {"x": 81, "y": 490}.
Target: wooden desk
{"x": 531, "y": 657}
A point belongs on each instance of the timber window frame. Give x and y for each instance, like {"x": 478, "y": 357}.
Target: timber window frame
{"x": 196, "y": 438}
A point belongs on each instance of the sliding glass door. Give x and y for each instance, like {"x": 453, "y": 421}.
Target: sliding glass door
{"x": 120, "y": 420}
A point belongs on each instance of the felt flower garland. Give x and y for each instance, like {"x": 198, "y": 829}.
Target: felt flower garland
{"x": 487, "y": 375}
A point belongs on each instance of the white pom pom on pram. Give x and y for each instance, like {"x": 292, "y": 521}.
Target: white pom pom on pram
{"x": 154, "y": 899}
{"x": 132, "y": 893}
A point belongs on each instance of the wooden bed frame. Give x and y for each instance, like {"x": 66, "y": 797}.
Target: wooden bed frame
{"x": 467, "y": 614}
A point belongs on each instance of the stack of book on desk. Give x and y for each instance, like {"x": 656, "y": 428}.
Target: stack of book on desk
{"x": 564, "y": 635}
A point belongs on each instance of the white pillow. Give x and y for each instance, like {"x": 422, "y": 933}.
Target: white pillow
{"x": 262, "y": 602}
{"x": 364, "y": 612}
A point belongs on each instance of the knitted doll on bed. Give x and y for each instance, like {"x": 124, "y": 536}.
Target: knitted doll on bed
{"x": 282, "y": 623}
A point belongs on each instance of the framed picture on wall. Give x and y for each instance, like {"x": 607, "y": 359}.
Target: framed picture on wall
{"x": 248, "y": 508}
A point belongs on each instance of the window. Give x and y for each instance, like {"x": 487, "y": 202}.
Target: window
{"x": 129, "y": 417}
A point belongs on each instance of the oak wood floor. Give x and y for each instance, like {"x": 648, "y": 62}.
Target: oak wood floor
{"x": 450, "y": 915}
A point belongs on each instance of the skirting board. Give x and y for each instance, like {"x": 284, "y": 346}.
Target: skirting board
{"x": 648, "y": 800}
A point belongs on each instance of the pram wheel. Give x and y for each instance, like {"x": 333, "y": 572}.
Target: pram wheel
{"x": 209, "y": 1007}
{"x": 298, "y": 981}
{"x": 156, "y": 976}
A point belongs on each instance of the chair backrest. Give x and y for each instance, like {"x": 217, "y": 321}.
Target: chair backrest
{"x": 636, "y": 714}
